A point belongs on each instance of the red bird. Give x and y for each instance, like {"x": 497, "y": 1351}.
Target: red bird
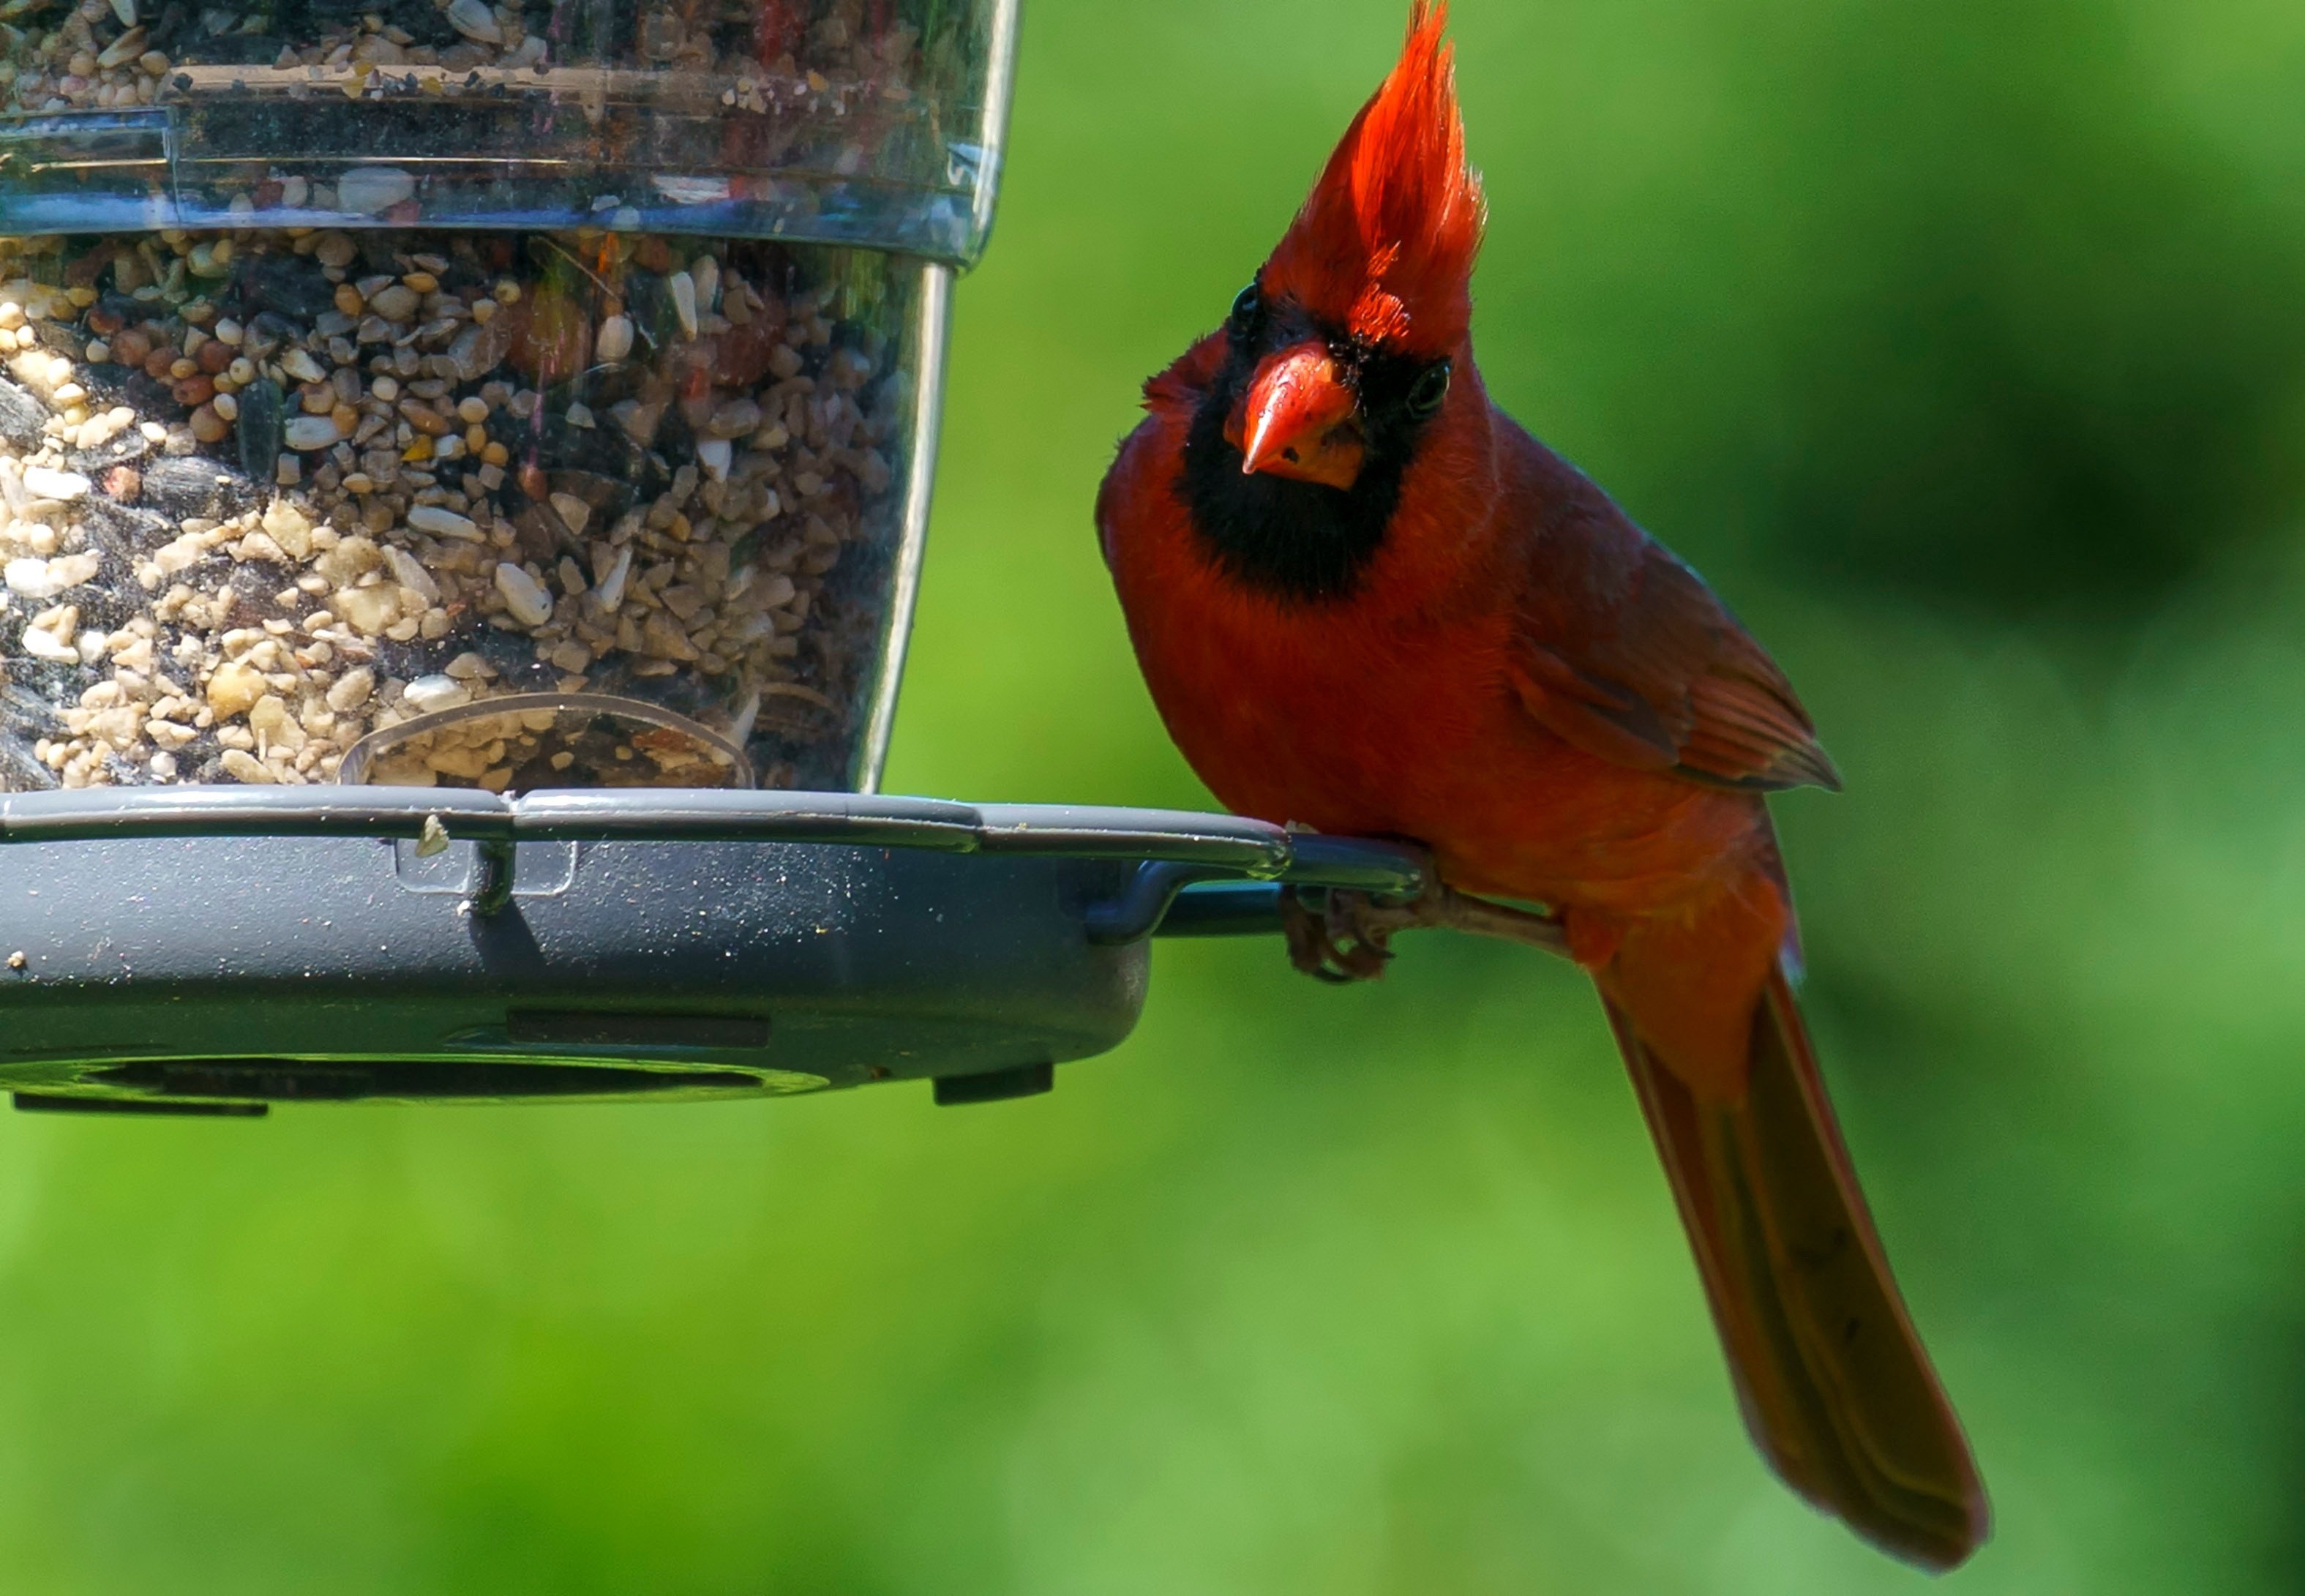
{"x": 1367, "y": 602}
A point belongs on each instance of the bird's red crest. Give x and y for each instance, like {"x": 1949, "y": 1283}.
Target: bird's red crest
{"x": 1384, "y": 245}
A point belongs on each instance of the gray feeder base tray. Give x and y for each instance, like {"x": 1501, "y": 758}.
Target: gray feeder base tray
{"x": 212, "y": 950}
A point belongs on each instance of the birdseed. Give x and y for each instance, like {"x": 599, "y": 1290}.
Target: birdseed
{"x": 255, "y": 510}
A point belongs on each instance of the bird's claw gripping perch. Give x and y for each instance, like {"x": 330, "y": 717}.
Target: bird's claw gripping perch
{"x": 1326, "y": 950}
{"x": 1348, "y": 938}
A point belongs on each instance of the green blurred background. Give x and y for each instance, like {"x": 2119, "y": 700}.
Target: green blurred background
{"x": 1964, "y": 347}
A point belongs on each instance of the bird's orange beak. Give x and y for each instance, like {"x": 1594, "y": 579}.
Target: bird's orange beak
{"x": 1299, "y": 419}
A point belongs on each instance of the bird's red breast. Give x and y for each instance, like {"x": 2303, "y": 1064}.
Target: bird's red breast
{"x": 1399, "y": 711}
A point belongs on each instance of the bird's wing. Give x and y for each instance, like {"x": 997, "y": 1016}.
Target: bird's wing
{"x": 1623, "y": 651}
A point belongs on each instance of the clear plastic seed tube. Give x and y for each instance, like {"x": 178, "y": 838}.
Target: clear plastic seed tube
{"x": 267, "y": 493}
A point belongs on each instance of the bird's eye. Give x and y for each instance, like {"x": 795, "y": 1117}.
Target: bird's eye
{"x": 1246, "y": 304}
{"x": 1431, "y": 387}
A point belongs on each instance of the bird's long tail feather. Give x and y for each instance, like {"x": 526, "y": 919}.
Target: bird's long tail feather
{"x": 1835, "y": 1387}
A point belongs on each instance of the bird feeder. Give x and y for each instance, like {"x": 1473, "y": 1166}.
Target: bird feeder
{"x": 463, "y": 471}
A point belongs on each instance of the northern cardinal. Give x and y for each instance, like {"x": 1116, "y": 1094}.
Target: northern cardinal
{"x": 1367, "y": 602}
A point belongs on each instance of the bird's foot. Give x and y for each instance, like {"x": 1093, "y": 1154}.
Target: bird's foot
{"x": 1351, "y": 938}
{"x": 1326, "y": 946}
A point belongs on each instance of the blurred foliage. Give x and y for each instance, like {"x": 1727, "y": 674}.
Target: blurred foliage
{"x": 1961, "y": 345}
